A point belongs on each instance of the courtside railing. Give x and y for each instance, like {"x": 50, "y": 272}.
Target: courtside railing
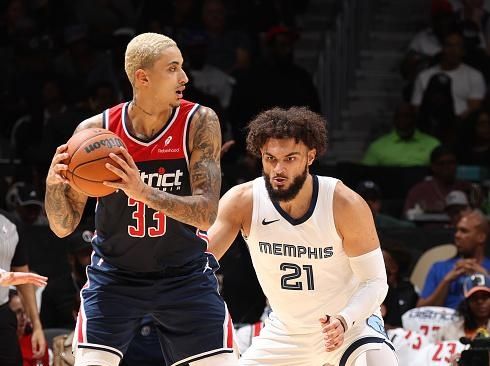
{"x": 339, "y": 57}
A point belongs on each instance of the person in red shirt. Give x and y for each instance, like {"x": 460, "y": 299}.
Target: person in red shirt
{"x": 24, "y": 333}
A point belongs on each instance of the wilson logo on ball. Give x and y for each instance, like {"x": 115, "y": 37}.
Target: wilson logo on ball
{"x": 109, "y": 143}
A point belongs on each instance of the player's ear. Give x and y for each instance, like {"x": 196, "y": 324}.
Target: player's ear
{"x": 311, "y": 156}
{"x": 141, "y": 77}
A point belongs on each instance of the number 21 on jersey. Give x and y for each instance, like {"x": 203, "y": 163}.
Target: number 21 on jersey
{"x": 293, "y": 272}
{"x": 141, "y": 228}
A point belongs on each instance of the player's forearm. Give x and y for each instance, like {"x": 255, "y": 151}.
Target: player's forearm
{"x": 369, "y": 269}
{"x": 61, "y": 209}
{"x": 29, "y": 299}
{"x": 198, "y": 210}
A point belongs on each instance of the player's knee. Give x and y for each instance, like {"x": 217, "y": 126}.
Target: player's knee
{"x": 93, "y": 357}
{"x": 222, "y": 359}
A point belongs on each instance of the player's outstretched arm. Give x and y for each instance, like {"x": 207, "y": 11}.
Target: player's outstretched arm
{"x": 355, "y": 224}
{"x": 20, "y": 278}
{"x": 199, "y": 209}
{"x": 234, "y": 206}
{"x": 64, "y": 206}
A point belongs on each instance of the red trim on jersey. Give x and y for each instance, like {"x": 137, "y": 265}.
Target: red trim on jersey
{"x": 229, "y": 337}
{"x": 168, "y": 144}
{"x": 257, "y": 327}
{"x": 80, "y": 325}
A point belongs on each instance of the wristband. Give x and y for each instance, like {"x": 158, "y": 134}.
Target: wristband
{"x": 342, "y": 322}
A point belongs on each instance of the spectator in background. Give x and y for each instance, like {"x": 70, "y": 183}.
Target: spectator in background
{"x": 444, "y": 283}
{"x": 405, "y": 145}
{"x": 474, "y": 309}
{"x": 228, "y": 49}
{"x": 59, "y": 296}
{"x": 436, "y": 115}
{"x": 456, "y": 205}
{"x": 428, "y": 42}
{"x": 474, "y": 146}
{"x": 81, "y": 65}
{"x": 208, "y": 78}
{"x": 476, "y": 54}
{"x": 430, "y": 194}
{"x": 275, "y": 80}
{"x": 24, "y": 333}
{"x": 25, "y": 202}
{"x": 475, "y": 12}
{"x": 13, "y": 257}
{"x": 468, "y": 85}
{"x": 401, "y": 295}
{"x": 371, "y": 193}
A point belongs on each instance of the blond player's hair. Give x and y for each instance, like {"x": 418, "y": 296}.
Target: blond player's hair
{"x": 143, "y": 50}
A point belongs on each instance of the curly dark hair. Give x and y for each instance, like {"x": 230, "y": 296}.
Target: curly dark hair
{"x": 299, "y": 123}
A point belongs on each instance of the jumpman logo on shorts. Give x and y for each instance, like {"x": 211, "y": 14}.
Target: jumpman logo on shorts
{"x": 206, "y": 267}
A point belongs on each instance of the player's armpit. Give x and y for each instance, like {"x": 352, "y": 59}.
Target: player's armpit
{"x": 234, "y": 207}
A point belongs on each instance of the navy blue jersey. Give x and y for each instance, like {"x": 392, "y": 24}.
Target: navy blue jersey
{"x": 131, "y": 235}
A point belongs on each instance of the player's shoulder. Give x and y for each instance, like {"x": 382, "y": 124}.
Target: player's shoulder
{"x": 346, "y": 197}
{"x": 241, "y": 192}
{"x": 204, "y": 114}
{"x": 91, "y": 122}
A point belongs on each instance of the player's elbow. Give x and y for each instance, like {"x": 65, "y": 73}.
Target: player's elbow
{"x": 209, "y": 218}
{"x": 60, "y": 232}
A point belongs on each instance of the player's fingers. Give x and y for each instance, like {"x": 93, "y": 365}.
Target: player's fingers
{"x": 128, "y": 157}
{"x": 60, "y": 157}
{"x": 332, "y": 345}
{"x": 329, "y": 327}
{"x": 121, "y": 174}
{"x": 121, "y": 162}
{"x": 113, "y": 184}
{"x": 61, "y": 148}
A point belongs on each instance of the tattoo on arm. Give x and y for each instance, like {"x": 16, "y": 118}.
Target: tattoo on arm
{"x": 64, "y": 208}
{"x": 201, "y": 208}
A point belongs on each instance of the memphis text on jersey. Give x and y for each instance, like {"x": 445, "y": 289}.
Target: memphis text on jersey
{"x": 296, "y": 251}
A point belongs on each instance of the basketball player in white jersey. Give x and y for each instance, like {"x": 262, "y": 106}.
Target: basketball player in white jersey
{"x": 314, "y": 247}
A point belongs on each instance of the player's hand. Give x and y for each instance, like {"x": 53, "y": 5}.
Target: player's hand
{"x": 38, "y": 343}
{"x": 127, "y": 170}
{"x": 21, "y": 278}
{"x": 57, "y": 169}
{"x": 333, "y": 332}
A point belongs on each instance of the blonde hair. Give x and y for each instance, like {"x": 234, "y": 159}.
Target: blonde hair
{"x": 143, "y": 50}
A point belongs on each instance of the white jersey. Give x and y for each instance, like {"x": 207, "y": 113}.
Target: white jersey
{"x": 416, "y": 349}
{"x": 429, "y": 321}
{"x": 300, "y": 263}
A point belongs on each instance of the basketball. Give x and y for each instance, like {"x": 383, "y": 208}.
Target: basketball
{"x": 89, "y": 152}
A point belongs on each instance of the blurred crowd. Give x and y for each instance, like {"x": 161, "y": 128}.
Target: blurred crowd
{"x": 63, "y": 61}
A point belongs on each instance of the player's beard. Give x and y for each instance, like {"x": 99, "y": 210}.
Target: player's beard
{"x": 286, "y": 195}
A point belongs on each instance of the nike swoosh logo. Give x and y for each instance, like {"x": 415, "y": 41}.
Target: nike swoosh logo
{"x": 268, "y": 222}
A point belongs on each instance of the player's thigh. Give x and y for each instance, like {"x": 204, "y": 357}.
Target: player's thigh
{"x": 223, "y": 359}
{"x": 275, "y": 347}
{"x": 383, "y": 356}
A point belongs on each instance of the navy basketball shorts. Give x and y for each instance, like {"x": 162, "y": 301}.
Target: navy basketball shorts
{"x": 191, "y": 316}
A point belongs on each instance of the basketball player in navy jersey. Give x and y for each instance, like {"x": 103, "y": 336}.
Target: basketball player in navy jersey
{"x": 150, "y": 245}
{"x": 314, "y": 247}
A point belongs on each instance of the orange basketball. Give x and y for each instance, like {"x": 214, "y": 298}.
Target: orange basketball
{"x": 89, "y": 152}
